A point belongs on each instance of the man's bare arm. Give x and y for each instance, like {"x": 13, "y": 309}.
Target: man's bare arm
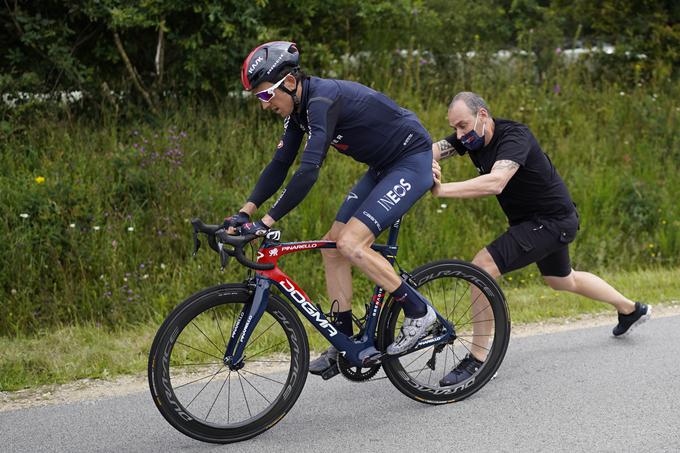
{"x": 484, "y": 185}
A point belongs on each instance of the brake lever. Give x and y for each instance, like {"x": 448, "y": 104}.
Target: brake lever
{"x": 224, "y": 256}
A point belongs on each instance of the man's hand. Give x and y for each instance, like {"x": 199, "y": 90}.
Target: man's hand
{"x": 258, "y": 228}
{"x": 230, "y": 223}
{"x": 437, "y": 176}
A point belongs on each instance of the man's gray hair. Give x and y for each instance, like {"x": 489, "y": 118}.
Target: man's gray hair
{"x": 473, "y": 101}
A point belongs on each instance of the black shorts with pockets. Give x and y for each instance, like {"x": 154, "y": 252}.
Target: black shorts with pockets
{"x": 544, "y": 241}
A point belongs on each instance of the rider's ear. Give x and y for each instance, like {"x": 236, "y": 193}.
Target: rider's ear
{"x": 290, "y": 82}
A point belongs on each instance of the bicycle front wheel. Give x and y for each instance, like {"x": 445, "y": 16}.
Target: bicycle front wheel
{"x": 473, "y": 303}
{"x": 198, "y": 394}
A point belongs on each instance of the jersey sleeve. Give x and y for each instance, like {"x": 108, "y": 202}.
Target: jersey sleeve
{"x": 288, "y": 146}
{"x": 275, "y": 173}
{"x": 322, "y": 117}
{"x": 514, "y": 145}
{"x": 322, "y": 114}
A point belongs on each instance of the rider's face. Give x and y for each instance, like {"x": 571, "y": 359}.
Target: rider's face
{"x": 463, "y": 120}
{"x": 281, "y": 103}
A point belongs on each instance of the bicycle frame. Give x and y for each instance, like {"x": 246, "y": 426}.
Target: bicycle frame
{"x": 357, "y": 352}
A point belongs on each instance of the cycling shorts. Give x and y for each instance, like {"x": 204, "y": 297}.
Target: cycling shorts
{"x": 380, "y": 198}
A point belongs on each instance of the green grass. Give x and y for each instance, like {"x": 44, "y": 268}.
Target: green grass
{"x": 105, "y": 238}
{"x": 87, "y": 351}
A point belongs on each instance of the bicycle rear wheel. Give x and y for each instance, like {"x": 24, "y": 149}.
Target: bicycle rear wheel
{"x": 198, "y": 394}
{"x": 459, "y": 291}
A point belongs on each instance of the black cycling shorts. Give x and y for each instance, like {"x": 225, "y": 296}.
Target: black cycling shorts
{"x": 380, "y": 198}
{"x": 544, "y": 241}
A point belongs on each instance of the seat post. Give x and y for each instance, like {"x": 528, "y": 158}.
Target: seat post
{"x": 394, "y": 232}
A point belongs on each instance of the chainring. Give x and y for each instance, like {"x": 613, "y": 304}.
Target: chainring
{"x": 355, "y": 373}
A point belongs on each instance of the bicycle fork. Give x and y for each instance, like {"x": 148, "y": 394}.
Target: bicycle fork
{"x": 245, "y": 325}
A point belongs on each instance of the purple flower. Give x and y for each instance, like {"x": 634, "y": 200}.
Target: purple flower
{"x": 556, "y": 88}
{"x": 558, "y": 50}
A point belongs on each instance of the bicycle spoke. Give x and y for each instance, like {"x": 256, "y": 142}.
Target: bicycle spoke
{"x": 179, "y": 365}
{"x": 245, "y": 398}
{"x": 263, "y": 377}
{"x": 200, "y": 391}
{"x": 207, "y": 416}
{"x": 264, "y": 350}
{"x": 252, "y": 342}
{"x": 473, "y": 343}
{"x": 260, "y": 393}
{"x": 199, "y": 350}
{"x": 224, "y": 340}
{"x": 207, "y": 338}
{"x": 229, "y": 397}
{"x": 469, "y": 308}
{"x": 422, "y": 354}
{"x": 268, "y": 361}
{"x": 475, "y": 322}
{"x": 462, "y": 296}
{"x": 199, "y": 379}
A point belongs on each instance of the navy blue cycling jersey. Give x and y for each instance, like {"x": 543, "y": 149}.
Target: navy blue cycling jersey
{"x": 356, "y": 120}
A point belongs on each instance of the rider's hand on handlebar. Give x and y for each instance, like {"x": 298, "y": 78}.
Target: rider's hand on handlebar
{"x": 231, "y": 223}
{"x": 258, "y": 228}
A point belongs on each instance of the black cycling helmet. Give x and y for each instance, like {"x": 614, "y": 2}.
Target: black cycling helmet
{"x": 267, "y": 61}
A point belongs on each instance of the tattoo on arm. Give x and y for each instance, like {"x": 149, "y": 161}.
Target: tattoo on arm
{"x": 446, "y": 148}
{"x": 505, "y": 165}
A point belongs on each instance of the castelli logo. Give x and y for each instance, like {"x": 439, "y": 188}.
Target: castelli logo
{"x": 254, "y": 64}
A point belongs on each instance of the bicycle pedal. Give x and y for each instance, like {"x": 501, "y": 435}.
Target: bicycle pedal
{"x": 330, "y": 372}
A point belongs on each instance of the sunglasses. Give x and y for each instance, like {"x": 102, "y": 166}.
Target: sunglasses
{"x": 268, "y": 94}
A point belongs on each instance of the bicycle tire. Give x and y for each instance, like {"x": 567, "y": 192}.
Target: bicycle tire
{"x": 186, "y": 346}
{"x": 434, "y": 280}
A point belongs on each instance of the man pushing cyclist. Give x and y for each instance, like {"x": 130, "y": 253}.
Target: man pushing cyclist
{"x": 542, "y": 217}
{"x": 370, "y": 128}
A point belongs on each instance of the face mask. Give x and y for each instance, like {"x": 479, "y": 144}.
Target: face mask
{"x": 472, "y": 141}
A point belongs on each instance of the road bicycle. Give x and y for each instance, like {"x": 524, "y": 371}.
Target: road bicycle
{"x": 230, "y": 361}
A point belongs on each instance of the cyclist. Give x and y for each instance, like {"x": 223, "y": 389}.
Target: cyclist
{"x": 370, "y": 128}
{"x": 542, "y": 216}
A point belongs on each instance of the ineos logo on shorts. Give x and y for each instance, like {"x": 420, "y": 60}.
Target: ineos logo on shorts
{"x": 255, "y": 63}
{"x": 393, "y": 197}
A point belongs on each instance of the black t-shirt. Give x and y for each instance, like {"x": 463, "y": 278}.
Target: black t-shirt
{"x": 536, "y": 189}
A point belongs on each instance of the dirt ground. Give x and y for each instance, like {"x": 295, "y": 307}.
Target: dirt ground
{"x": 93, "y": 389}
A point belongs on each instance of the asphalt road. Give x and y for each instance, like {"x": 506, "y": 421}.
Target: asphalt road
{"x": 580, "y": 390}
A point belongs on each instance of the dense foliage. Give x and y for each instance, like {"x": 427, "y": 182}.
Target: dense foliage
{"x": 152, "y": 48}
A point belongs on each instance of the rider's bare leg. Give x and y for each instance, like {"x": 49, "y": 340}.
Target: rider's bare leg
{"x": 354, "y": 244}
{"x": 338, "y": 271}
{"x": 482, "y": 315}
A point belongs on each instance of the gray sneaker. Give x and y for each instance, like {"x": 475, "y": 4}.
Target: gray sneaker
{"x": 412, "y": 330}
{"x": 327, "y": 359}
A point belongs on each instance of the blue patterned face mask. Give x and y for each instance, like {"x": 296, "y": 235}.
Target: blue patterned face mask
{"x": 472, "y": 141}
